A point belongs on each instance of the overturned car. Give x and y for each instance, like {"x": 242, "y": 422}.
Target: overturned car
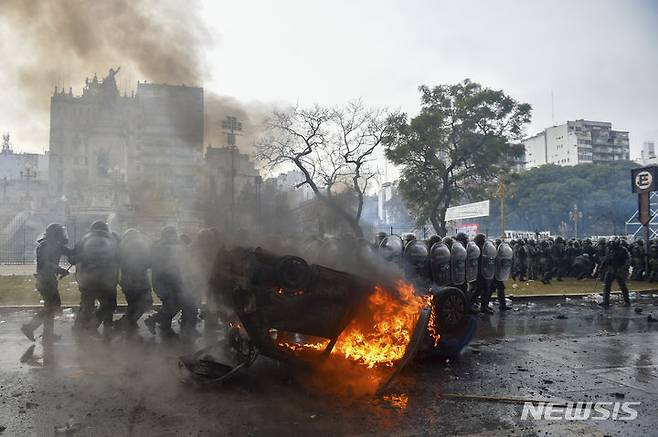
{"x": 288, "y": 310}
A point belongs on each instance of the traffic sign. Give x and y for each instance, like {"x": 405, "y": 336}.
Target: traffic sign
{"x": 644, "y": 179}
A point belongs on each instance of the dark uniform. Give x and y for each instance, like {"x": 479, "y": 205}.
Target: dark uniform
{"x": 134, "y": 263}
{"x": 498, "y": 287}
{"x": 558, "y": 256}
{"x": 616, "y": 265}
{"x": 168, "y": 283}
{"x": 546, "y": 262}
{"x": 204, "y": 252}
{"x": 520, "y": 260}
{"x": 637, "y": 260}
{"x": 590, "y": 251}
{"x": 97, "y": 272}
{"x": 599, "y": 259}
{"x": 482, "y": 286}
{"x": 49, "y": 251}
{"x": 652, "y": 274}
{"x": 533, "y": 260}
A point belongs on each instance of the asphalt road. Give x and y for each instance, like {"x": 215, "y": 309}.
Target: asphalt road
{"x": 541, "y": 351}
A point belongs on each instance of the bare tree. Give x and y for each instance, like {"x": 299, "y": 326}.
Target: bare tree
{"x": 334, "y": 148}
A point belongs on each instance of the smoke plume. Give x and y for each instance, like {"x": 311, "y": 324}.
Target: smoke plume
{"x": 59, "y": 43}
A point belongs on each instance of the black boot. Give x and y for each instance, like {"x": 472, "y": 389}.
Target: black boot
{"x": 150, "y": 324}
{"x": 28, "y": 331}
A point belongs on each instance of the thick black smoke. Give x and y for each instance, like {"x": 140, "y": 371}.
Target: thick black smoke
{"x": 59, "y": 43}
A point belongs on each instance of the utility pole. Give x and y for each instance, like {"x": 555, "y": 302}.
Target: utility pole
{"x": 501, "y": 195}
{"x": 231, "y": 125}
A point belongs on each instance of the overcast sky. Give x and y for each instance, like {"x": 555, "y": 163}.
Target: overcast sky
{"x": 599, "y": 58}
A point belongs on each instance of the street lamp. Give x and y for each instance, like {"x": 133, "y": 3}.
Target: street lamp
{"x": 231, "y": 125}
{"x": 575, "y": 216}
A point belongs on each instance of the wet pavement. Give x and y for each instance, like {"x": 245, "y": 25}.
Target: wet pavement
{"x": 543, "y": 350}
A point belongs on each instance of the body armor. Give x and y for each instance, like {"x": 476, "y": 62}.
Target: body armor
{"x": 416, "y": 258}
{"x": 135, "y": 260}
{"x": 96, "y": 259}
{"x": 458, "y": 264}
{"x": 504, "y": 256}
{"x": 488, "y": 260}
{"x": 472, "y": 261}
{"x": 391, "y": 248}
{"x": 440, "y": 264}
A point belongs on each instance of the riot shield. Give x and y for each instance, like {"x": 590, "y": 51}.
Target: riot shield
{"x": 416, "y": 258}
{"x": 97, "y": 265}
{"x": 488, "y": 260}
{"x": 472, "y": 261}
{"x": 391, "y": 248}
{"x": 440, "y": 264}
{"x": 457, "y": 264}
{"x": 504, "y": 257}
{"x": 134, "y": 249}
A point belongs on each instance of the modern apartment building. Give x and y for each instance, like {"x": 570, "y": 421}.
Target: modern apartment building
{"x": 576, "y": 142}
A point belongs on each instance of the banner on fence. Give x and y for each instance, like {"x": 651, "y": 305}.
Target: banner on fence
{"x": 470, "y": 210}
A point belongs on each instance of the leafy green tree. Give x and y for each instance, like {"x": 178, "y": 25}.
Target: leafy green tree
{"x": 461, "y": 141}
{"x": 541, "y": 198}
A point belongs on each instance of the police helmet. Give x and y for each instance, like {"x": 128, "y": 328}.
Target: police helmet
{"x": 100, "y": 225}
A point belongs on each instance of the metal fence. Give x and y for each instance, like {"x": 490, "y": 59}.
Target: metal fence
{"x": 18, "y": 244}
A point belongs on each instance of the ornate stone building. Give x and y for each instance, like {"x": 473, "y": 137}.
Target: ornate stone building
{"x": 106, "y": 147}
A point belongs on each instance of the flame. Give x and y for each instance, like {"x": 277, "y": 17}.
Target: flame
{"x": 381, "y": 335}
{"x": 431, "y": 324}
{"x": 398, "y": 402}
{"x": 385, "y": 340}
{"x": 303, "y": 346}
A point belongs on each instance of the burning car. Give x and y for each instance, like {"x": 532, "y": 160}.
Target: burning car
{"x": 291, "y": 311}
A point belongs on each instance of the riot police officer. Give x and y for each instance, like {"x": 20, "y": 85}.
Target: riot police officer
{"x": 168, "y": 282}
{"x": 378, "y": 239}
{"x": 97, "y": 272}
{"x": 652, "y": 274}
{"x": 546, "y": 261}
{"x": 590, "y": 251}
{"x": 616, "y": 265}
{"x": 49, "y": 251}
{"x": 486, "y": 271}
{"x": 462, "y": 238}
{"x": 599, "y": 258}
{"x": 504, "y": 255}
{"x": 558, "y": 256}
{"x": 637, "y": 260}
{"x": 533, "y": 259}
{"x": 520, "y": 260}
{"x": 134, "y": 263}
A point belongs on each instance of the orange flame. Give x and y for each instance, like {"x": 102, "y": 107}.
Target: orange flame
{"x": 384, "y": 340}
{"x": 380, "y": 336}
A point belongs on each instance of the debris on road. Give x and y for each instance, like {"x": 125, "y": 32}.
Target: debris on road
{"x": 67, "y": 429}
